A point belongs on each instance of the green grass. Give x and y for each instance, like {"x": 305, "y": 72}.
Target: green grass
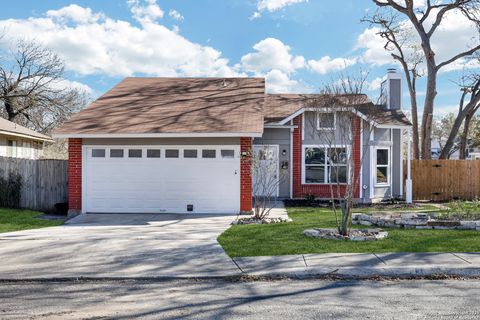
{"x": 16, "y": 219}
{"x": 288, "y": 238}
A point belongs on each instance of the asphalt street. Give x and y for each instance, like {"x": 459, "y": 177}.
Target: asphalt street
{"x": 215, "y": 299}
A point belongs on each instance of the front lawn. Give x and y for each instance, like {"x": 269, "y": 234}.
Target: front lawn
{"x": 288, "y": 238}
{"x": 16, "y": 219}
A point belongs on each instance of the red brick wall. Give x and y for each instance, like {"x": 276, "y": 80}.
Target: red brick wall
{"x": 246, "y": 174}
{"x": 320, "y": 190}
{"x": 356, "y": 133}
{"x": 74, "y": 175}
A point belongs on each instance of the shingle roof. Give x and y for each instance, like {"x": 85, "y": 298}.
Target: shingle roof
{"x": 8, "y": 127}
{"x": 384, "y": 116}
{"x": 200, "y": 105}
{"x": 281, "y": 106}
{"x": 174, "y": 105}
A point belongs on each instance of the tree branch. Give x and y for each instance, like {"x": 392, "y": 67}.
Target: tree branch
{"x": 458, "y": 56}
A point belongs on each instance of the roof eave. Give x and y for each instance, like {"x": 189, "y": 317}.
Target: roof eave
{"x": 159, "y": 135}
{"x": 22, "y": 135}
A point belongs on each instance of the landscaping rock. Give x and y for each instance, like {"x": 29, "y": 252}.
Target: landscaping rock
{"x": 420, "y": 221}
{"x": 467, "y": 225}
{"x": 355, "y": 234}
{"x": 251, "y": 220}
{"x": 366, "y": 223}
{"x": 446, "y": 223}
{"x": 423, "y": 227}
{"x": 406, "y": 216}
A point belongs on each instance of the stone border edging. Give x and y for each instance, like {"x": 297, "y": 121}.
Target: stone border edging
{"x": 420, "y": 221}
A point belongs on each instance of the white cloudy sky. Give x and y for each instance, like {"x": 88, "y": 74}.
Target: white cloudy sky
{"x": 297, "y": 45}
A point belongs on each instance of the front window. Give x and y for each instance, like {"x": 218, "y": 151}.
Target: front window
{"x": 27, "y": 149}
{"x": 382, "y": 167}
{"x": 12, "y": 148}
{"x": 325, "y": 121}
{"x": 325, "y": 165}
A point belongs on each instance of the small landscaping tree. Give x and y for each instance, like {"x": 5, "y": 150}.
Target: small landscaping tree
{"x": 337, "y": 117}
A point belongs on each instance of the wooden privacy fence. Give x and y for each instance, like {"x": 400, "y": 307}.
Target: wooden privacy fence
{"x": 442, "y": 180}
{"x": 44, "y": 181}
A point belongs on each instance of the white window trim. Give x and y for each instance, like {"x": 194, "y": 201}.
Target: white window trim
{"x": 163, "y": 148}
{"x": 389, "y": 167}
{"x": 326, "y": 171}
{"x": 324, "y": 128}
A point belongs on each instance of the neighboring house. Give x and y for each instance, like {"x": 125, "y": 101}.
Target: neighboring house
{"x": 437, "y": 150}
{"x": 474, "y": 153}
{"x": 183, "y": 145}
{"x": 20, "y": 142}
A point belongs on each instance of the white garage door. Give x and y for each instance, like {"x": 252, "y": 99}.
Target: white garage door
{"x": 170, "y": 179}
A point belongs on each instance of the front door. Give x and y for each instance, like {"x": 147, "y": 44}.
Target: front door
{"x": 265, "y": 171}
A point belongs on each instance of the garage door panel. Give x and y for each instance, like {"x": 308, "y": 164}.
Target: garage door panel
{"x": 161, "y": 184}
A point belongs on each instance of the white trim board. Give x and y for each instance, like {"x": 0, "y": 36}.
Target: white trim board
{"x": 26, "y": 136}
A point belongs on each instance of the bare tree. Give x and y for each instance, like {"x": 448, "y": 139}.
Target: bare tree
{"x": 399, "y": 41}
{"x": 441, "y": 128}
{"x": 420, "y": 18}
{"x": 337, "y": 160}
{"x": 469, "y": 136}
{"x": 266, "y": 180}
{"x": 32, "y": 88}
{"x": 471, "y": 92}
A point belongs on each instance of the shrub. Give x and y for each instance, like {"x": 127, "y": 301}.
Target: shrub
{"x": 10, "y": 190}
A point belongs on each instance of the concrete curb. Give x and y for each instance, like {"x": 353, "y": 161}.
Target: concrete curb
{"x": 299, "y": 274}
{"x": 365, "y": 273}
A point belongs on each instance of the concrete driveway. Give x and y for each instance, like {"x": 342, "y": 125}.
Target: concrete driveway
{"x": 119, "y": 245}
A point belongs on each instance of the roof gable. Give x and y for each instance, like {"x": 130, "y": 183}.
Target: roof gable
{"x": 280, "y": 108}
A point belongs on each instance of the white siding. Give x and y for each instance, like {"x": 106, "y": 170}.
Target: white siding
{"x": 25, "y": 148}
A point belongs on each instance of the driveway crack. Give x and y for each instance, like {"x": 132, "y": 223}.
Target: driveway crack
{"x": 235, "y": 262}
{"x": 461, "y": 258}
{"x": 379, "y": 259}
{"x": 304, "y": 261}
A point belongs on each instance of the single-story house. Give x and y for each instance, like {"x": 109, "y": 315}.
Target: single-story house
{"x": 17, "y": 141}
{"x": 183, "y": 145}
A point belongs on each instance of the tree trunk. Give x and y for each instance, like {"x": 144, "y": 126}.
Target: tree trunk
{"x": 415, "y": 137}
{"x": 445, "y": 154}
{"x": 428, "y": 112}
{"x": 464, "y": 137}
{"x": 411, "y": 82}
{"x": 8, "y": 105}
{"x": 470, "y": 108}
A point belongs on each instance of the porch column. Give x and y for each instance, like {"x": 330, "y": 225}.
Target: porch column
{"x": 408, "y": 182}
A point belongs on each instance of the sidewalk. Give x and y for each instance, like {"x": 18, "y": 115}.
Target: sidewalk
{"x": 363, "y": 265}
